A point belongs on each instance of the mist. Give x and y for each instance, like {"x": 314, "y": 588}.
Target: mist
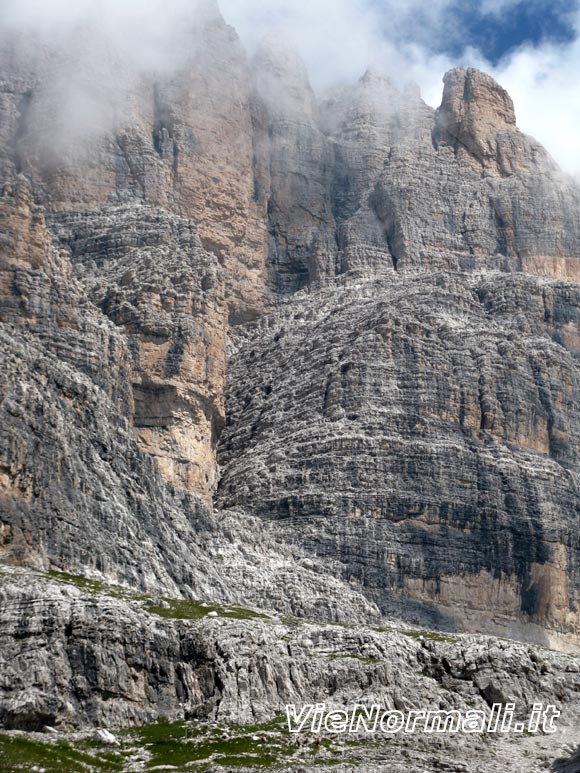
{"x": 337, "y": 39}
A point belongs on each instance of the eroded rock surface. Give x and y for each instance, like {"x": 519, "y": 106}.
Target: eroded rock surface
{"x": 317, "y": 356}
{"x": 430, "y": 448}
{"x": 115, "y": 662}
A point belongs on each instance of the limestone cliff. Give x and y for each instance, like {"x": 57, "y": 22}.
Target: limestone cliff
{"x": 317, "y": 356}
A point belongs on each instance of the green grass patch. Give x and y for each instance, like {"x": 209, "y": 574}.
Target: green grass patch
{"x": 184, "y": 746}
{"x": 231, "y": 745}
{"x": 177, "y": 609}
{"x": 95, "y": 586}
{"x": 22, "y": 754}
{"x": 183, "y": 609}
{"x": 416, "y": 634}
{"x": 83, "y": 583}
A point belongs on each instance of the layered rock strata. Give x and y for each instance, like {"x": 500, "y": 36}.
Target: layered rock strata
{"x": 96, "y": 659}
{"x": 432, "y": 448}
{"x": 318, "y": 357}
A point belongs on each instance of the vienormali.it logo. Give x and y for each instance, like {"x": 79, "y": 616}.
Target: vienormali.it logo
{"x": 316, "y": 718}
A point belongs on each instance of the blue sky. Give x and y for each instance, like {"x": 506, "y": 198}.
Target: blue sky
{"x": 498, "y": 31}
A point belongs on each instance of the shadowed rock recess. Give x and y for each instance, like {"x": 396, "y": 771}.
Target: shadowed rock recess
{"x": 308, "y": 362}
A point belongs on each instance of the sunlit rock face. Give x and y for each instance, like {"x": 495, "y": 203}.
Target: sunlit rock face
{"x": 148, "y": 179}
{"x": 147, "y": 271}
{"x": 351, "y": 315}
{"x": 461, "y": 188}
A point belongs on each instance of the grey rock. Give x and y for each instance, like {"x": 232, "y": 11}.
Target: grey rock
{"x": 105, "y": 737}
{"x": 431, "y": 450}
{"x": 100, "y": 660}
{"x": 311, "y": 358}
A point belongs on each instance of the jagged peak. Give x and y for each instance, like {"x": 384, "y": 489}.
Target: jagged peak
{"x": 378, "y": 88}
{"x": 475, "y": 112}
{"x": 209, "y": 10}
{"x": 280, "y": 59}
{"x": 469, "y": 86}
{"x": 374, "y": 74}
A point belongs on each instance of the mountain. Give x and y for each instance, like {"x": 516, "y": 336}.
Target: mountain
{"x": 312, "y": 362}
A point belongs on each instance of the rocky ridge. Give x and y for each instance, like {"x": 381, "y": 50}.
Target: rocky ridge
{"x": 104, "y": 658}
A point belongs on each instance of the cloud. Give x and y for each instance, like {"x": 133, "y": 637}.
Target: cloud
{"x": 145, "y": 32}
{"x": 92, "y": 54}
{"x": 338, "y": 40}
{"x": 544, "y": 86}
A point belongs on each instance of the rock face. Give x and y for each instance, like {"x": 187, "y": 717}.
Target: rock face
{"x": 429, "y": 449}
{"x": 419, "y": 427}
{"x": 147, "y": 271}
{"x": 318, "y": 357}
{"x": 477, "y": 114}
{"x": 293, "y": 171}
{"x": 97, "y": 660}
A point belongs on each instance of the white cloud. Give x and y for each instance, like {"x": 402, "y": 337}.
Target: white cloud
{"x": 339, "y": 39}
{"x": 545, "y": 88}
